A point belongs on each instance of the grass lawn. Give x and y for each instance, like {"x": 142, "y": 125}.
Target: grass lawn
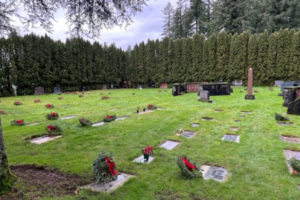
{"x": 256, "y": 165}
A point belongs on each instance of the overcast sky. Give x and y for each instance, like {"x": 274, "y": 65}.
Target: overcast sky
{"x": 146, "y": 24}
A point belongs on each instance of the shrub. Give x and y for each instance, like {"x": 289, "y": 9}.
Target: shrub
{"x": 279, "y": 117}
{"x": 151, "y": 107}
{"x": 85, "y": 122}
{"x": 49, "y": 105}
{"x": 52, "y": 116}
{"x": 18, "y": 122}
{"x": 53, "y": 130}
{"x": 109, "y": 118}
{"x": 104, "y": 168}
{"x": 17, "y": 103}
{"x": 295, "y": 164}
{"x": 188, "y": 170}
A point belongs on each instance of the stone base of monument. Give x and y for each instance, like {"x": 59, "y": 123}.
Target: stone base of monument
{"x": 108, "y": 187}
{"x": 249, "y": 97}
{"x": 219, "y": 174}
{"x": 141, "y": 159}
{"x": 205, "y": 100}
{"x": 280, "y": 94}
{"x": 288, "y": 154}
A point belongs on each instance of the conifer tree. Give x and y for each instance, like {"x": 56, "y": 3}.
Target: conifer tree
{"x": 222, "y": 56}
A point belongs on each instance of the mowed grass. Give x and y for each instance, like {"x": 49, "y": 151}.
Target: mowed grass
{"x": 256, "y": 165}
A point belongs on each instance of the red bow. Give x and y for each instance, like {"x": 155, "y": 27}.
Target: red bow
{"x": 51, "y": 128}
{"x": 107, "y": 117}
{"x": 48, "y": 105}
{"x": 19, "y": 121}
{"x": 189, "y": 165}
{"x": 111, "y": 167}
{"x": 149, "y": 106}
{"x": 53, "y": 114}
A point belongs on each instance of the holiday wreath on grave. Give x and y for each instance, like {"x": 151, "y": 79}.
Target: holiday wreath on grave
{"x": 37, "y": 101}
{"x": 85, "y": 122}
{"x": 104, "y": 168}
{"x": 295, "y": 164}
{"x": 188, "y": 169}
{"x": 109, "y": 118}
{"x": 147, "y": 151}
{"x": 59, "y": 98}
{"x": 2, "y": 112}
{"x": 17, "y": 103}
{"x": 280, "y": 117}
{"x": 105, "y": 97}
{"x": 18, "y": 122}
{"x": 49, "y": 105}
{"x": 151, "y": 107}
{"x": 80, "y": 95}
{"x": 53, "y": 130}
{"x": 52, "y": 116}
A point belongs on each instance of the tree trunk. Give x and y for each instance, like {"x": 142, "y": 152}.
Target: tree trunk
{"x": 5, "y": 175}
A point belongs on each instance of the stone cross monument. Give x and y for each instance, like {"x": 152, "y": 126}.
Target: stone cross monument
{"x": 250, "y": 83}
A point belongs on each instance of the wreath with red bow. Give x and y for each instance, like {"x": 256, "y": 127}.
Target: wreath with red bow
{"x": 104, "y": 168}
{"x": 188, "y": 169}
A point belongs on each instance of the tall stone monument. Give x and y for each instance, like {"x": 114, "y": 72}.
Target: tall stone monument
{"x": 249, "y": 94}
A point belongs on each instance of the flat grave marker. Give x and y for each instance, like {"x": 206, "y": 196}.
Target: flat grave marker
{"x": 68, "y": 117}
{"x": 169, "y": 144}
{"x": 111, "y": 186}
{"x": 122, "y": 118}
{"x": 33, "y": 123}
{"x": 231, "y": 138}
{"x": 98, "y": 124}
{"x": 234, "y": 128}
{"x": 212, "y": 172}
{"x": 218, "y": 110}
{"x": 290, "y": 139}
{"x": 195, "y": 125}
{"x": 187, "y": 134}
{"x": 284, "y": 123}
{"x": 147, "y": 111}
{"x": 206, "y": 118}
{"x": 141, "y": 159}
{"x": 44, "y": 139}
{"x": 288, "y": 154}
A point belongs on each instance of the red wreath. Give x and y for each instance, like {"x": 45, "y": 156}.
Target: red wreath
{"x": 53, "y": 114}
{"x": 111, "y": 166}
{"x": 148, "y": 149}
{"x": 50, "y": 127}
{"x": 188, "y": 165}
{"x": 19, "y": 121}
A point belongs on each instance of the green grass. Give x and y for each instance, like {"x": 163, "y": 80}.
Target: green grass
{"x": 256, "y": 165}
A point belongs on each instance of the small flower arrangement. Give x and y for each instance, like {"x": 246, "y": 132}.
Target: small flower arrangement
{"x": 49, "y": 105}
{"x": 151, "y": 107}
{"x": 80, "y": 95}
{"x": 188, "y": 169}
{"x": 17, "y": 103}
{"x": 295, "y": 164}
{"x": 18, "y": 122}
{"x": 109, "y": 118}
{"x": 2, "y": 112}
{"x": 53, "y": 130}
{"x": 59, "y": 98}
{"x": 105, "y": 97}
{"x": 85, "y": 122}
{"x": 37, "y": 101}
{"x": 52, "y": 116}
{"x": 147, "y": 152}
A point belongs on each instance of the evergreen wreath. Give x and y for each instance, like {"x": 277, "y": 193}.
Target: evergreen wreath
{"x": 37, "y": 101}
{"x": 17, "y": 103}
{"x": 52, "y": 116}
{"x": 18, "y": 122}
{"x": 295, "y": 164}
{"x": 53, "y": 130}
{"x": 104, "y": 168}
{"x": 85, "y": 122}
{"x": 2, "y": 112}
{"x": 280, "y": 117}
{"x": 188, "y": 170}
{"x": 151, "y": 107}
{"x": 109, "y": 118}
{"x": 49, "y": 105}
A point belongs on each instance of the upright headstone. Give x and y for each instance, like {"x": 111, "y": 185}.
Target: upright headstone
{"x": 14, "y": 87}
{"x": 250, "y": 84}
{"x": 57, "y": 90}
{"x": 39, "y": 90}
{"x": 204, "y": 96}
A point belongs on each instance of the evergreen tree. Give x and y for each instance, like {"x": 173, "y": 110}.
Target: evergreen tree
{"x": 261, "y": 75}
{"x": 187, "y": 61}
{"x": 296, "y": 56}
{"x": 197, "y": 57}
{"x": 168, "y": 13}
{"x": 222, "y": 56}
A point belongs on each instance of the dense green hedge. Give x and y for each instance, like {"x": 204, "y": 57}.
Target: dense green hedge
{"x": 32, "y": 61}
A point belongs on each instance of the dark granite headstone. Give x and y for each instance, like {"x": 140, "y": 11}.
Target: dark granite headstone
{"x": 179, "y": 89}
{"x": 39, "y": 90}
{"x": 220, "y": 88}
{"x": 294, "y": 107}
{"x": 57, "y": 90}
{"x": 290, "y": 94}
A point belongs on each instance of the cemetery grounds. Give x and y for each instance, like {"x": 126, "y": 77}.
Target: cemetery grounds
{"x": 256, "y": 165}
